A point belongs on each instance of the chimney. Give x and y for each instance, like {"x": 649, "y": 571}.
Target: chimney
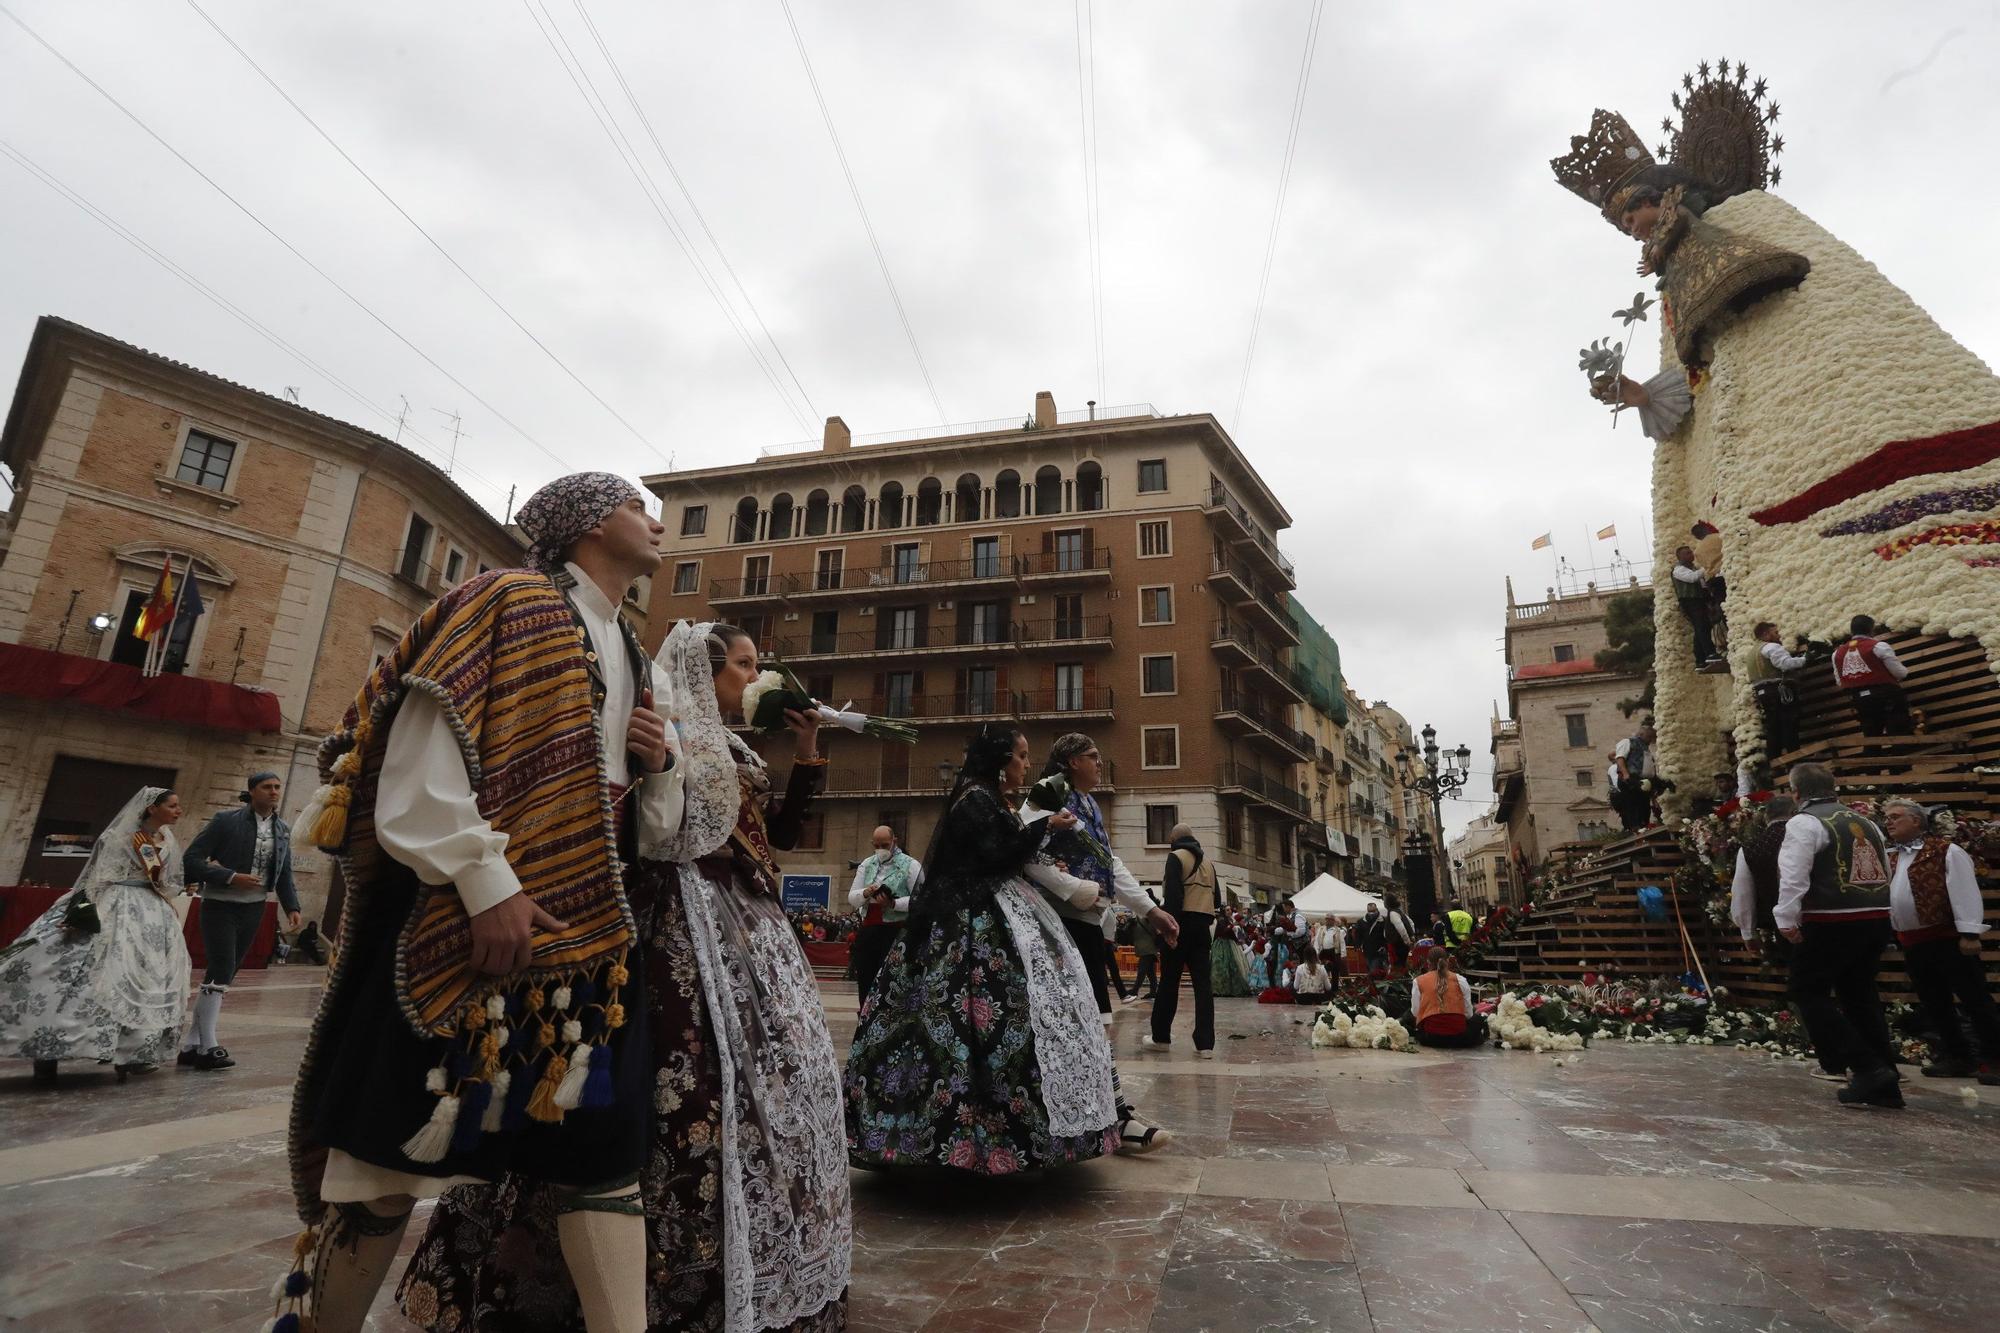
{"x": 1045, "y": 410}
{"x": 838, "y": 436}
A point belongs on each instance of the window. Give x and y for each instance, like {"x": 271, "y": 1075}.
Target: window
{"x": 1260, "y": 839}
{"x": 1160, "y": 747}
{"x": 128, "y": 649}
{"x": 1583, "y": 777}
{"x": 982, "y": 623}
{"x": 1579, "y": 730}
{"x": 757, "y": 576}
{"x": 454, "y": 566}
{"x": 982, "y": 688}
{"x": 1160, "y": 821}
{"x": 1152, "y": 475}
{"x": 985, "y": 557}
{"x": 694, "y": 520}
{"x": 826, "y": 574}
{"x": 1069, "y": 687}
{"x": 897, "y": 822}
{"x": 895, "y": 769}
{"x": 821, "y": 687}
{"x": 205, "y": 461}
{"x": 687, "y": 576}
{"x": 1156, "y": 674}
{"x": 826, "y": 632}
{"x": 1565, "y": 652}
{"x": 1156, "y": 606}
{"x": 1155, "y": 538}
{"x": 1284, "y": 847}
{"x": 1069, "y": 616}
{"x": 416, "y": 545}
{"x": 1069, "y": 551}
{"x": 1232, "y": 827}
{"x": 899, "y": 694}
{"x": 904, "y": 562}
{"x": 902, "y": 628}
{"x": 381, "y": 644}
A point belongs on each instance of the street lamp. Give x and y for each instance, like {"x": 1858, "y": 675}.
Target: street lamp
{"x": 946, "y": 771}
{"x": 1438, "y": 783}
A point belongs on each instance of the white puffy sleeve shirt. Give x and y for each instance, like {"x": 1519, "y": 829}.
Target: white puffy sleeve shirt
{"x": 425, "y": 813}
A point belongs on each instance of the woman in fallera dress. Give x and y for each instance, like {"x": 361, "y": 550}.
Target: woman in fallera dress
{"x": 980, "y": 1046}
{"x": 748, "y": 1216}
{"x": 1225, "y": 965}
{"x": 103, "y": 974}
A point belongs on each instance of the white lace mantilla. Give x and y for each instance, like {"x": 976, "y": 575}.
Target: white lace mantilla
{"x": 1070, "y": 1045}
{"x": 787, "y": 1218}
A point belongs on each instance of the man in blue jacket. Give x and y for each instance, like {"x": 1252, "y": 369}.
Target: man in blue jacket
{"x": 240, "y": 858}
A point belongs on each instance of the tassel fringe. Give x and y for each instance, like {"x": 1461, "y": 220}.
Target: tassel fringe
{"x": 597, "y": 1088}
{"x": 471, "y": 1123}
{"x": 569, "y": 1095}
{"x": 542, "y": 1106}
{"x": 430, "y": 1143}
{"x": 496, "y": 1105}
{"x": 323, "y": 823}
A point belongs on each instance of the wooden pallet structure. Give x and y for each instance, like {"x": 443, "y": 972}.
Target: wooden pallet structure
{"x": 1595, "y": 921}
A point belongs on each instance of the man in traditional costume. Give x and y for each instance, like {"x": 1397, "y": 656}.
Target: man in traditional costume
{"x": 1774, "y": 685}
{"x": 881, "y": 894}
{"x": 1871, "y": 676}
{"x": 481, "y": 1019}
{"x": 242, "y": 856}
{"x": 1939, "y": 920}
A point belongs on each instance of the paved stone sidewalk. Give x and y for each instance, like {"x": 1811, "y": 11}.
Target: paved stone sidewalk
{"x": 1633, "y": 1188}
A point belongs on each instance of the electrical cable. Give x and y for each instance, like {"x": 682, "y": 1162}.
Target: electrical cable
{"x": 1086, "y": 105}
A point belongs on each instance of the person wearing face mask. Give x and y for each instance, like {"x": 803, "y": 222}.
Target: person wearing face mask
{"x": 881, "y": 894}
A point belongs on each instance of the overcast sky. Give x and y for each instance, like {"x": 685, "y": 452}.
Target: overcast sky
{"x": 1414, "y": 397}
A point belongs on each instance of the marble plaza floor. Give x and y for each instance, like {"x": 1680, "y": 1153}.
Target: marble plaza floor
{"x": 1634, "y": 1188}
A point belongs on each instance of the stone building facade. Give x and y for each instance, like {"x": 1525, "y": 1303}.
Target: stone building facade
{"x": 1116, "y": 575}
{"x": 313, "y": 543}
{"x": 1481, "y": 867}
{"x": 1551, "y": 753}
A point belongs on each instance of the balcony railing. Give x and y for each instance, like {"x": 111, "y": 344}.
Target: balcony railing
{"x": 1267, "y": 720}
{"x": 1061, "y": 631}
{"x": 1093, "y": 701}
{"x": 885, "y": 640}
{"x": 1044, "y": 566}
{"x": 752, "y": 587}
{"x": 1263, "y": 786}
{"x": 860, "y": 781}
{"x": 962, "y": 706}
{"x": 1234, "y": 519}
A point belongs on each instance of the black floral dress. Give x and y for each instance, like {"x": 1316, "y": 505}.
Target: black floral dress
{"x": 946, "y": 1068}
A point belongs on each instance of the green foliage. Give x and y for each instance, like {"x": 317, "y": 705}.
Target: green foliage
{"x": 1628, "y": 625}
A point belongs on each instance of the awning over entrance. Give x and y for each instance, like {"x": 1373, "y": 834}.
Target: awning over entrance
{"x": 35, "y": 673}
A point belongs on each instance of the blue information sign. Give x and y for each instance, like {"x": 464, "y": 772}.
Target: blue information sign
{"x": 805, "y": 890}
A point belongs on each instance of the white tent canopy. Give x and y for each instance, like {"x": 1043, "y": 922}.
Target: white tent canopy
{"x": 1327, "y": 896}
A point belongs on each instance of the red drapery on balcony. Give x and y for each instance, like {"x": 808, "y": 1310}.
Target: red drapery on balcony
{"x": 34, "y": 673}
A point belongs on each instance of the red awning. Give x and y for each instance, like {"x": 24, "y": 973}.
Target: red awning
{"x": 1581, "y": 666}
{"x": 33, "y": 673}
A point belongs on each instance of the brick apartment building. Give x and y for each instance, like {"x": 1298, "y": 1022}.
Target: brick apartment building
{"x": 314, "y": 545}
{"x": 1118, "y": 575}
{"x": 1551, "y": 752}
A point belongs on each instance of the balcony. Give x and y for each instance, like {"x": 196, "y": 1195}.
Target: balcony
{"x": 1271, "y": 614}
{"x": 1232, "y": 520}
{"x": 1063, "y": 633}
{"x": 965, "y": 708}
{"x": 1263, "y": 552}
{"x": 1245, "y": 783}
{"x": 1247, "y": 715}
{"x": 1234, "y": 645}
{"x": 752, "y": 590}
{"x": 1055, "y": 704}
{"x": 1061, "y": 566}
{"x": 1327, "y": 762}
{"x": 925, "y": 576}
{"x": 1229, "y": 580}
{"x": 919, "y": 782}
{"x": 887, "y": 642}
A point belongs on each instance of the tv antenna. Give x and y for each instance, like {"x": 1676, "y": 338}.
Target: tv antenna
{"x": 457, "y": 431}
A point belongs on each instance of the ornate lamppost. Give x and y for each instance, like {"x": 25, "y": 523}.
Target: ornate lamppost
{"x": 1439, "y": 783}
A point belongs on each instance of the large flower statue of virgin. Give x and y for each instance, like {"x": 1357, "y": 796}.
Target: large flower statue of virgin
{"x": 1846, "y": 446}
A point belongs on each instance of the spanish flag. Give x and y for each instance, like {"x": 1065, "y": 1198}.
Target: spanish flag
{"x": 1541, "y": 541}
{"x": 159, "y": 609}
{"x": 1607, "y": 532}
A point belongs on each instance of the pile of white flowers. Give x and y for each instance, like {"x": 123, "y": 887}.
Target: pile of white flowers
{"x": 1371, "y": 1029}
{"x": 1513, "y": 1028}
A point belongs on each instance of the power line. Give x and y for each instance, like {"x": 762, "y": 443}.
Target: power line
{"x": 387, "y": 198}
{"x": 268, "y": 230}
{"x": 600, "y": 110}
{"x": 229, "y": 307}
{"x": 881, "y": 260}
{"x": 687, "y": 194}
{"x": 1278, "y": 208}
{"x": 1086, "y": 106}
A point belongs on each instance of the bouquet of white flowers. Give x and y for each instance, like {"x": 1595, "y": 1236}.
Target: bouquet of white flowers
{"x": 767, "y": 699}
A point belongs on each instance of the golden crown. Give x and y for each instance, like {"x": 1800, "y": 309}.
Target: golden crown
{"x": 1602, "y": 160}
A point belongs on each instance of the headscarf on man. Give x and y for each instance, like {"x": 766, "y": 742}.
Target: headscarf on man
{"x": 565, "y": 509}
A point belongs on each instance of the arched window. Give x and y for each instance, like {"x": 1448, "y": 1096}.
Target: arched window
{"x": 744, "y": 526}
{"x": 781, "y": 517}
{"x": 816, "y": 514}
{"x": 889, "y": 505}
{"x": 854, "y": 510}
{"x": 965, "y": 503}
{"x": 1007, "y": 494}
{"x": 1048, "y": 490}
{"x": 1089, "y": 486}
{"x": 930, "y": 498}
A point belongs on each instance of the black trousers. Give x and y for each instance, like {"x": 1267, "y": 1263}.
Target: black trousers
{"x": 1474, "y": 1035}
{"x": 1089, "y": 939}
{"x": 1189, "y": 952}
{"x": 871, "y": 945}
{"x": 1833, "y": 988}
{"x": 227, "y": 932}
{"x": 1950, "y": 983}
{"x": 1704, "y": 638}
{"x": 1882, "y": 710}
{"x": 1149, "y": 973}
{"x": 1634, "y": 807}
{"x": 1778, "y": 703}
{"x": 1111, "y": 969}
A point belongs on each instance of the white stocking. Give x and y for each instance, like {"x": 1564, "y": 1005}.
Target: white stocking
{"x": 603, "y": 1240}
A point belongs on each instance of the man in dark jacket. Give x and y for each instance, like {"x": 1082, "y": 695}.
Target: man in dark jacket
{"x": 1189, "y": 893}
{"x": 236, "y": 862}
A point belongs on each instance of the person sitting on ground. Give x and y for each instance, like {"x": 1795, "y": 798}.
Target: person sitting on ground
{"x": 1442, "y": 1006}
{"x": 1311, "y": 982}
{"x": 1867, "y": 669}
{"x": 1938, "y": 917}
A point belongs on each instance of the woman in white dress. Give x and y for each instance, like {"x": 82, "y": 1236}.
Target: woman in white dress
{"x": 103, "y": 974}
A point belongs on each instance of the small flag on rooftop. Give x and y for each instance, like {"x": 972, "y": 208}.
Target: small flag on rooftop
{"x": 1544, "y": 540}
{"x": 1607, "y": 532}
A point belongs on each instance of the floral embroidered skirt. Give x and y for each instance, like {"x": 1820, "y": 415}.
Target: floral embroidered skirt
{"x": 944, "y": 1069}
{"x": 1226, "y": 971}
{"x": 490, "y": 1260}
